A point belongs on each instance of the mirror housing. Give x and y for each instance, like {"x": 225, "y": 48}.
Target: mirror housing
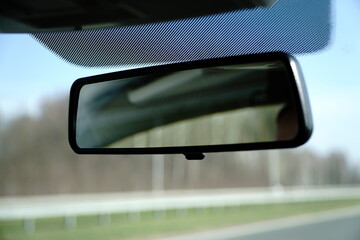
{"x": 237, "y": 103}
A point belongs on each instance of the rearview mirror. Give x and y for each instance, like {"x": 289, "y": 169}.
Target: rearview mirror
{"x": 226, "y": 104}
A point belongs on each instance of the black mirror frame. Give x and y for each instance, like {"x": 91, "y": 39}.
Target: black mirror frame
{"x": 196, "y": 152}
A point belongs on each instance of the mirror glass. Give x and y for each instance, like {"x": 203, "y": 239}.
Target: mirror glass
{"x": 227, "y": 104}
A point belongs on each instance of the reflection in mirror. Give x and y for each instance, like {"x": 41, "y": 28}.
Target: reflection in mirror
{"x": 232, "y": 104}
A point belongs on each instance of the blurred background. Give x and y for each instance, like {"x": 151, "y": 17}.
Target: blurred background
{"x": 49, "y": 192}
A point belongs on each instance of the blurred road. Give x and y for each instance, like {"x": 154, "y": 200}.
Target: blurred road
{"x": 331, "y": 225}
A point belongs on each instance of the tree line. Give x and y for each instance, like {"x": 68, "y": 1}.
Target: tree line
{"x": 35, "y": 158}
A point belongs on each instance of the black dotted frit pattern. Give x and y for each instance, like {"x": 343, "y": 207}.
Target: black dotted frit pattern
{"x": 293, "y": 26}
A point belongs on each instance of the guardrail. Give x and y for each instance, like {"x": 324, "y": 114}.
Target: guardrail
{"x": 103, "y": 205}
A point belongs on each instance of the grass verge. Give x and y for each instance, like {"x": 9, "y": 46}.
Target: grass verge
{"x": 152, "y": 224}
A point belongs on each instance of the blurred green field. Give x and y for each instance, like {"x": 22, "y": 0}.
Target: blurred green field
{"x": 153, "y": 224}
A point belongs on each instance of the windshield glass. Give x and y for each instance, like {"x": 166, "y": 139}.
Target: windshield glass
{"x": 49, "y": 192}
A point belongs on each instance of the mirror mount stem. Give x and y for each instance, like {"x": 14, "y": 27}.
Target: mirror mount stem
{"x": 194, "y": 156}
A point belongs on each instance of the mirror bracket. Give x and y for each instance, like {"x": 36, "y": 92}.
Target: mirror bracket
{"x": 194, "y": 156}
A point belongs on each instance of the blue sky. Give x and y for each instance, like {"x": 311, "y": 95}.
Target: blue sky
{"x": 35, "y": 79}
{"x": 332, "y": 77}
{"x": 333, "y": 81}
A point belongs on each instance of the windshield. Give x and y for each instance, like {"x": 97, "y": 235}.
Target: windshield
{"x": 49, "y": 192}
